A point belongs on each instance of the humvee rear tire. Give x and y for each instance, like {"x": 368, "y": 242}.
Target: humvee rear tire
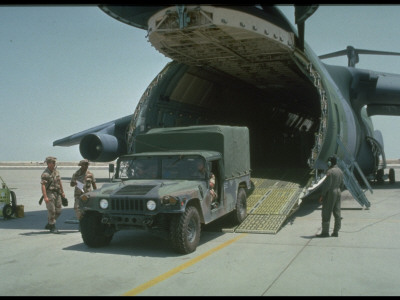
{"x": 240, "y": 211}
{"x": 391, "y": 175}
{"x": 7, "y": 211}
{"x": 93, "y": 231}
{"x": 185, "y": 231}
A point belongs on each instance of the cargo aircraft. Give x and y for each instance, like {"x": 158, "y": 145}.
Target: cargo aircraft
{"x": 249, "y": 66}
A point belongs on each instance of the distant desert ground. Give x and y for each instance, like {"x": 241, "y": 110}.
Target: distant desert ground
{"x": 96, "y": 164}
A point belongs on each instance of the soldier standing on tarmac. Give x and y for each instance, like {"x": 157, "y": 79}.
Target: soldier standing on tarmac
{"x": 83, "y": 181}
{"x": 52, "y": 191}
{"x": 330, "y": 198}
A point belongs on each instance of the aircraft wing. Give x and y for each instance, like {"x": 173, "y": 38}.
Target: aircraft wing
{"x": 102, "y": 143}
{"x": 378, "y": 91}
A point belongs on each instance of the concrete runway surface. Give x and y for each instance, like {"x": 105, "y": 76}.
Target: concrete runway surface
{"x": 363, "y": 260}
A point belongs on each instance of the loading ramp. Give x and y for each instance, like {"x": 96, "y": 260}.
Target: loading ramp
{"x": 275, "y": 196}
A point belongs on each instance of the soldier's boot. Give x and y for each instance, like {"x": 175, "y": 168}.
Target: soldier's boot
{"x": 53, "y": 229}
{"x": 325, "y": 230}
{"x": 336, "y": 229}
{"x": 47, "y": 226}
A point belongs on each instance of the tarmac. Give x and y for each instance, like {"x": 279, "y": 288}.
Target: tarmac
{"x": 362, "y": 261}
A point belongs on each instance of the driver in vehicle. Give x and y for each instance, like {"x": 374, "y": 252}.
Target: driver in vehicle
{"x": 201, "y": 171}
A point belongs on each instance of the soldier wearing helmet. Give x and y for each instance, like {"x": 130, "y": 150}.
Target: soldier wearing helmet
{"x": 331, "y": 192}
{"x": 83, "y": 180}
{"x": 52, "y": 191}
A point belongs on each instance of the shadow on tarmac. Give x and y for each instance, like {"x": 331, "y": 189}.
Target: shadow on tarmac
{"x": 36, "y": 220}
{"x": 139, "y": 243}
{"x": 385, "y": 185}
{"x": 124, "y": 242}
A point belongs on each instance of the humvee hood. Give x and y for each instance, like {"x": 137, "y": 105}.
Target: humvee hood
{"x": 149, "y": 188}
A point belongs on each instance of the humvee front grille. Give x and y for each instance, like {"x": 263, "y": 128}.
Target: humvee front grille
{"x": 131, "y": 205}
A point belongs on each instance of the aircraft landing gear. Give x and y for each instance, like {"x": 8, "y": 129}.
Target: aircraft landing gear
{"x": 381, "y": 177}
{"x": 391, "y": 175}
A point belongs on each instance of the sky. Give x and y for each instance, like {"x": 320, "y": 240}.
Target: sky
{"x": 64, "y": 69}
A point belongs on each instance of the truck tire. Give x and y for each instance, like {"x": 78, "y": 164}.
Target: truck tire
{"x": 93, "y": 231}
{"x": 185, "y": 231}
{"x": 240, "y": 211}
{"x": 7, "y": 211}
{"x": 391, "y": 175}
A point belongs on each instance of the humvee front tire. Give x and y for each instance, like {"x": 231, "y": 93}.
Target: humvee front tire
{"x": 93, "y": 231}
{"x": 185, "y": 231}
{"x": 240, "y": 212}
{"x": 7, "y": 211}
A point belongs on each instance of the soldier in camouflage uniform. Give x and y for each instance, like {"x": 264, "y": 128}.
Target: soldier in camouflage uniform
{"x": 84, "y": 177}
{"x": 52, "y": 191}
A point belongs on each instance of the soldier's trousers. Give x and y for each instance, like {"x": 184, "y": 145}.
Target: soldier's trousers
{"x": 76, "y": 208}
{"x": 331, "y": 205}
{"x": 53, "y": 207}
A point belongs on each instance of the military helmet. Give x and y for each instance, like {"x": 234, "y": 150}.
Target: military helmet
{"x": 50, "y": 159}
{"x": 83, "y": 162}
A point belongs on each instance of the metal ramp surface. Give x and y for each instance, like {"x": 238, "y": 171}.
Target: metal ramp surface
{"x": 273, "y": 200}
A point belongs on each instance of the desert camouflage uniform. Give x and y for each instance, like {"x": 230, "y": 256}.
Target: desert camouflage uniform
{"x": 53, "y": 192}
{"x": 87, "y": 179}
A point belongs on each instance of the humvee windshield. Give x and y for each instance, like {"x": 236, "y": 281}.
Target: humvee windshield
{"x": 189, "y": 167}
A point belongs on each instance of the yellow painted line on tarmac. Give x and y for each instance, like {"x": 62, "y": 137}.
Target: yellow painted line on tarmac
{"x": 172, "y": 272}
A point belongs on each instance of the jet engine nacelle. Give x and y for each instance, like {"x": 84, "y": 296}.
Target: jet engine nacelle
{"x": 100, "y": 147}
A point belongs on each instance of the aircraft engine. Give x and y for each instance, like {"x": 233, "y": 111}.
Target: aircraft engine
{"x": 100, "y": 147}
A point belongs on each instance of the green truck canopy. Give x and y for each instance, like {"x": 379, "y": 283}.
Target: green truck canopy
{"x": 231, "y": 141}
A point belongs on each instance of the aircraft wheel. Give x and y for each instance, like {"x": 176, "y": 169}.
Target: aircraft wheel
{"x": 391, "y": 175}
{"x": 93, "y": 231}
{"x": 7, "y": 211}
{"x": 185, "y": 231}
{"x": 240, "y": 212}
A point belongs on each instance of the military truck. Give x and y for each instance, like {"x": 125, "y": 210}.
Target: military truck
{"x": 159, "y": 188}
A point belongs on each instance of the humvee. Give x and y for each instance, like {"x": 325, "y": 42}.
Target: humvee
{"x": 160, "y": 188}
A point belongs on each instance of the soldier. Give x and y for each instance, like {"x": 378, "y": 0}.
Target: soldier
{"x": 83, "y": 181}
{"x": 52, "y": 191}
{"x": 330, "y": 198}
{"x": 200, "y": 172}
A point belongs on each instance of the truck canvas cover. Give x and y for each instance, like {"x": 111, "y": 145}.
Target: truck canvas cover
{"x": 231, "y": 141}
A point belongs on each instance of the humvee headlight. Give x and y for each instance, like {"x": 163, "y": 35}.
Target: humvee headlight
{"x": 169, "y": 200}
{"x": 151, "y": 205}
{"x": 103, "y": 203}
